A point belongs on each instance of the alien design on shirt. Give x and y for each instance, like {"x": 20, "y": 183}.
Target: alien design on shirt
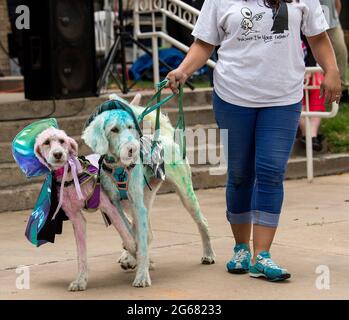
{"x": 247, "y": 22}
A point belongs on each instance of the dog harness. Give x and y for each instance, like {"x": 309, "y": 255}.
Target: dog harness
{"x": 120, "y": 176}
{"x": 153, "y": 159}
{"x": 151, "y": 153}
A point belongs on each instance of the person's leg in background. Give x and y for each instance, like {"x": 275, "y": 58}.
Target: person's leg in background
{"x": 315, "y": 104}
{"x": 239, "y": 150}
{"x": 276, "y": 129}
{"x": 336, "y": 36}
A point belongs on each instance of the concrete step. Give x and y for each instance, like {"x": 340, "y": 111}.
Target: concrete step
{"x": 74, "y": 125}
{"x": 6, "y": 154}
{"x": 11, "y": 84}
{"x": 299, "y": 149}
{"x": 19, "y": 108}
{"x": 24, "y": 196}
{"x": 207, "y": 136}
{"x": 6, "y": 151}
{"x": 12, "y": 176}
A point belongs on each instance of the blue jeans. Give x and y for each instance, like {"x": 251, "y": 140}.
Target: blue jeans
{"x": 259, "y": 144}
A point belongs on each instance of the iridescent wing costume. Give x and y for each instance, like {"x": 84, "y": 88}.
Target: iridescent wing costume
{"x": 42, "y": 225}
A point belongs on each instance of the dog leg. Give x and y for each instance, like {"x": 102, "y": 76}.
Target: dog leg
{"x": 124, "y": 229}
{"x": 79, "y": 226}
{"x": 149, "y": 197}
{"x": 136, "y": 195}
{"x": 180, "y": 176}
{"x": 126, "y": 260}
{"x": 109, "y": 188}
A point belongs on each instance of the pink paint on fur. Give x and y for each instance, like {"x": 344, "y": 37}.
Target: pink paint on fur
{"x": 74, "y": 203}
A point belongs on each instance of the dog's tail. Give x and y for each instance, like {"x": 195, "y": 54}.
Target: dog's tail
{"x": 136, "y": 100}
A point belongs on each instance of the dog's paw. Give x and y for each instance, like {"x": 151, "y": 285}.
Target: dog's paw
{"x": 127, "y": 261}
{"x": 78, "y": 285}
{"x": 142, "y": 279}
{"x": 209, "y": 259}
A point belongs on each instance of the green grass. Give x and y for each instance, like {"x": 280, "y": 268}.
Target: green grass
{"x": 336, "y": 130}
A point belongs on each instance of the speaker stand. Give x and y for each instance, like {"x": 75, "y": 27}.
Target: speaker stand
{"x": 119, "y": 44}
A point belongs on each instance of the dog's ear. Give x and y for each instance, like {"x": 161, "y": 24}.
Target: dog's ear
{"x": 38, "y": 154}
{"x": 73, "y": 147}
{"x": 136, "y": 100}
{"x": 94, "y": 136}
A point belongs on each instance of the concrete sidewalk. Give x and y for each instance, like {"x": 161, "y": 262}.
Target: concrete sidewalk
{"x": 313, "y": 232}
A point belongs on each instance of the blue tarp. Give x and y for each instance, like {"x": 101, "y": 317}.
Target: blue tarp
{"x": 172, "y": 56}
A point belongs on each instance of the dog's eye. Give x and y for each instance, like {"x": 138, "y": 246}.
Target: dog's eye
{"x": 47, "y": 142}
{"x": 130, "y": 127}
{"x": 115, "y": 130}
{"x": 61, "y": 141}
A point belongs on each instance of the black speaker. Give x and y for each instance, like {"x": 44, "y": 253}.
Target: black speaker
{"x": 59, "y": 50}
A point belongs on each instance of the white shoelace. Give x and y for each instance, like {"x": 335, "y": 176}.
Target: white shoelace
{"x": 240, "y": 255}
{"x": 269, "y": 263}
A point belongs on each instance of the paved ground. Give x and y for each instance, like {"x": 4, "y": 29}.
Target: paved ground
{"x": 313, "y": 232}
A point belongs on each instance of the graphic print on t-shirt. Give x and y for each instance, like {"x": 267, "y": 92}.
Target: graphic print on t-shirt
{"x": 247, "y": 21}
{"x": 280, "y": 17}
{"x": 253, "y": 31}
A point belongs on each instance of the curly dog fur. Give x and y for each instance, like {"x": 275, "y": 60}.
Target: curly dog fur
{"x": 112, "y": 133}
{"x": 53, "y": 148}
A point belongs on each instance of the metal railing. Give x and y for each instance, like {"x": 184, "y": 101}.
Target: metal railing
{"x": 187, "y": 16}
{"x": 174, "y": 9}
{"x": 307, "y": 114}
{"x": 104, "y": 31}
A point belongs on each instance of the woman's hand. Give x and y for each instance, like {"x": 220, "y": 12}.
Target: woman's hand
{"x": 331, "y": 87}
{"x": 176, "y": 77}
{"x": 322, "y": 50}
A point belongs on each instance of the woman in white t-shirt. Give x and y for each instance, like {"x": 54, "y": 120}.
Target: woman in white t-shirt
{"x": 258, "y": 88}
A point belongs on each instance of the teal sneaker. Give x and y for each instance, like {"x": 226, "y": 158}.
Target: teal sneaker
{"x": 240, "y": 262}
{"x": 265, "y": 267}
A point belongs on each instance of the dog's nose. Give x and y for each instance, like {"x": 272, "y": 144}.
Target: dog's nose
{"x": 58, "y": 155}
{"x": 131, "y": 150}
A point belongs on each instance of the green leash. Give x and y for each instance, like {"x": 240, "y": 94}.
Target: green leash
{"x": 180, "y": 125}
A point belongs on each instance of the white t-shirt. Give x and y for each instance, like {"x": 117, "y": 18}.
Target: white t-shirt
{"x": 260, "y": 59}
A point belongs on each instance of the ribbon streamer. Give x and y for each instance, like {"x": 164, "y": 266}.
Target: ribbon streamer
{"x": 75, "y": 169}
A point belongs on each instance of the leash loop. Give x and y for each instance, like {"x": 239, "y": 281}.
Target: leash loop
{"x": 180, "y": 125}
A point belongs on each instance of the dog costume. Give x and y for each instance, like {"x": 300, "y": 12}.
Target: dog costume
{"x": 151, "y": 150}
{"x": 47, "y": 217}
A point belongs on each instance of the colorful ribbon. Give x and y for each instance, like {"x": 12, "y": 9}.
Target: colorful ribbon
{"x": 75, "y": 169}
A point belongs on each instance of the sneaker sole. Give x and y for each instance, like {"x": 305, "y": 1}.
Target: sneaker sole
{"x": 238, "y": 271}
{"x": 262, "y": 275}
